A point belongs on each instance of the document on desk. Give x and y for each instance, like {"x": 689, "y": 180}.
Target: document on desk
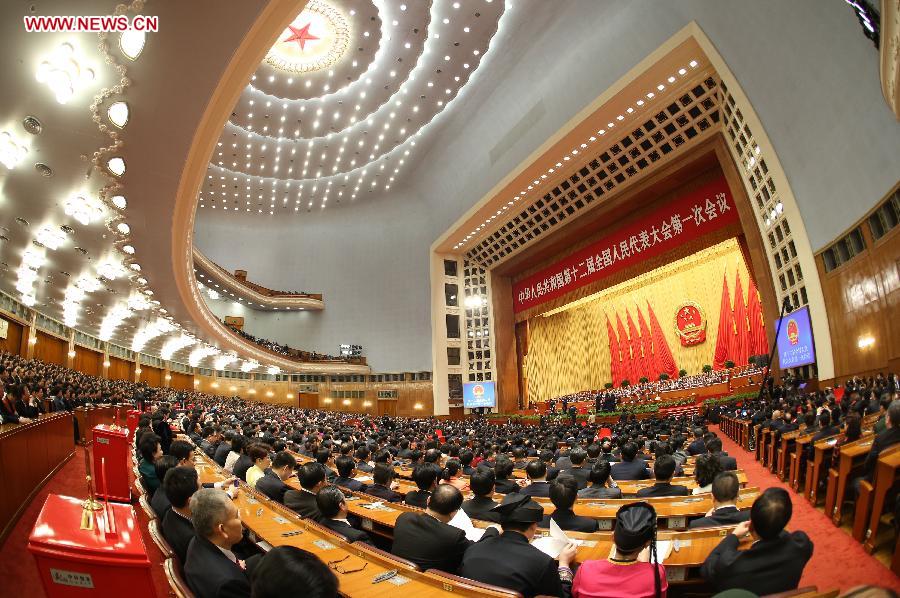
{"x": 553, "y": 544}
{"x": 663, "y": 549}
{"x": 462, "y": 521}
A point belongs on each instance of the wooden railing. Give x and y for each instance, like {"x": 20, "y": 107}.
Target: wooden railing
{"x": 32, "y": 453}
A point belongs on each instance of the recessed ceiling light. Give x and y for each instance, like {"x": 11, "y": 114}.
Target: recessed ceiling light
{"x": 123, "y": 228}
{"x": 131, "y": 43}
{"x": 119, "y": 201}
{"x": 118, "y": 114}
{"x": 116, "y": 166}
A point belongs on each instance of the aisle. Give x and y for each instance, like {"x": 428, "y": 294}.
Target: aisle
{"x": 838, "y": 561}
{"x": 17, "y": 566}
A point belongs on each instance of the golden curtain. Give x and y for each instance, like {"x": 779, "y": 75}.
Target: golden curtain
{"x": 569, "y": 349}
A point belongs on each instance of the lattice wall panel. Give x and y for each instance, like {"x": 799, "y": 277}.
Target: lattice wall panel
{"x": 672, "y": 128}
{"x": 477, "y": 308}
{"x": 766, "y": 201}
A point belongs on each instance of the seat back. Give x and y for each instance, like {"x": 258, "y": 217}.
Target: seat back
{"x": 485, "y": 589}
{"x": 145, "y": 505}
{"x": 177, "y": 583}
{"x": 158, "y": 539}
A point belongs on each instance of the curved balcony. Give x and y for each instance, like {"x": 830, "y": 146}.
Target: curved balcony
{"x": 257, "y": 296}
{"x": 298, "y": 355}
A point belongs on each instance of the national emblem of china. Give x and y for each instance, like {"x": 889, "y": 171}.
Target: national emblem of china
{"x": 690, "y": 324}
{"x": 793, "y": 331}
{"x": 478, "y": 391}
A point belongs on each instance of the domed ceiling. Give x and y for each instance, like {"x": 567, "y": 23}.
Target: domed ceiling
{"x": 338, "y": 107}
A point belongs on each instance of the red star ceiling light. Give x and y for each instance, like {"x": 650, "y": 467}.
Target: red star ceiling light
{"x": 301, "y": 35}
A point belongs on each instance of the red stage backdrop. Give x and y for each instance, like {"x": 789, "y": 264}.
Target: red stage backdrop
{"x": 702, "y": 211}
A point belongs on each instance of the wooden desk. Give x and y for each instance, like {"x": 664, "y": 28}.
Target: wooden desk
{"x": 673, "y": 512}
{"x": 269, "y": 521}
{"x": 782, "y": 453}
{"x": 30, "y": 454}
{"x": 258, "y": 513}
{"x": 885, "y": 477}
{"x": 822, "y": 451}
{"x": 852, "y": 456}
{"x": 798, "y": 460}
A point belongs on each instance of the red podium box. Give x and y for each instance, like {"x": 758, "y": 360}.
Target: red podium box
{"x": 105, "y": 560}
{"x": 132, "y": 417}
{"x": 111, "y": 463}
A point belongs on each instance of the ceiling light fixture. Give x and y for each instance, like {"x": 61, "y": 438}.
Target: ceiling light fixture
{"x": 131, "y": 43}
{"x": 11, "y": 152}
{"x": 118, "y": 114}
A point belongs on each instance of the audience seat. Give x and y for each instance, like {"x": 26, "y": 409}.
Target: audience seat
{"x": 177, "y": 584}
{"x": 145, "y": 505}
{"x": 470, "y": 584}
{"x": 157, "y": 537}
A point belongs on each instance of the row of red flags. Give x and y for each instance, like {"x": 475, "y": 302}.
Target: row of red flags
{"x": 635, "y": 355}
{"x": 742, "y": 331}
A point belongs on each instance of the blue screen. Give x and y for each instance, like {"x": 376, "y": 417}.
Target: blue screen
{"x": 479, "y": 394}
{"x": 795, "y": 340}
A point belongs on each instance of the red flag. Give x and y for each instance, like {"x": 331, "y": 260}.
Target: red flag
{"x": 724, "y": 333}
{"x": 661, "y": 347}
{"x": 759, "y": 344}
{"x": 640, "y": 365}
{"x": 626, "y": 369}
{"x": 741, "y": 326}
{"x": 651, "y": 357}
{"x": 615, "y": 357}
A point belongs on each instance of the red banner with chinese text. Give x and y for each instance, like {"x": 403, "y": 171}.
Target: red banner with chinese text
{"x": 698, "y": 213}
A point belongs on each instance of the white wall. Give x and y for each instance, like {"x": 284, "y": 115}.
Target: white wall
{"x": 805, "y": 65}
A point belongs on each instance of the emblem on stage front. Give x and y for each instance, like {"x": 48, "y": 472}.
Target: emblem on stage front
{"x": 690, "y": 324}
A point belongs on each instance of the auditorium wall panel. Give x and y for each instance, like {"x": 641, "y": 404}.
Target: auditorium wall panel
{"x": 413, "y": 398}
{"x": 569, "y": 351}
{"x": 181, "y": 381}
{"x": 862, "y": 298}
{"x": 50, "y": 348}
{"x": 88, "y": 361}
{"x": 13, "y": 341}
{"x": 120, "y": 369}
{"x": 151, "y": 375}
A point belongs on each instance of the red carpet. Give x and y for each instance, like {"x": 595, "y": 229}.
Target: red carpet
{"x": 17, "y": 567}
{"x": 838, "y": 561}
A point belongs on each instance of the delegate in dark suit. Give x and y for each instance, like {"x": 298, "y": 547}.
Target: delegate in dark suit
{"x": 728, "y": 463}
{"x": 723, "y": 516}
{"x": 580, "y": 474}
{"x": 767, "y": 567}
{"x": 211, "y": 574}
{"x": 429, "y": 543}
{"x": 540, "y": 489}
{"x": 350, "y": 484}
{"x": 480, "y": 507}
{"x": 630, "y": 470}
{"x": 303, "y": 503}
{"x": 697, "y": 447}
{"x": 509, "y": 561}
{"x": 348, "y": 531}
{"x": 663, "y": 489}
{"x": 886, "y": 439}
{"x": 567, "y": 520}
{"x": 272, "y": 486}
{"x": 178, "y": 532}
{"x": 160, "y": 502}
{"x": 600, "y": 492}
{"x": 221, "y": 454}
{"x": 384, "y": 493}
{"x": 504, "y": 486}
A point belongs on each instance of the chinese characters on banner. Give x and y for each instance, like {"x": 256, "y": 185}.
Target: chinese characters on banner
{"x": 698, "y": 213}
